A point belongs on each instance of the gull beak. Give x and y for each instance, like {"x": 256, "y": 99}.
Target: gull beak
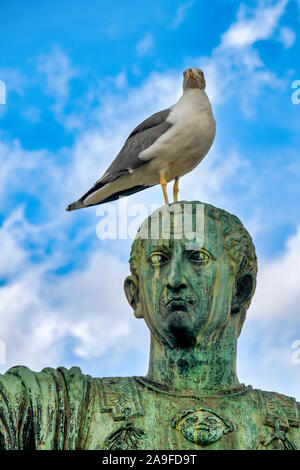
{"x": 192, "y": 74}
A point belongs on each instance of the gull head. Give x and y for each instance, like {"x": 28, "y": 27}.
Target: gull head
{"x": 193, "y": 78}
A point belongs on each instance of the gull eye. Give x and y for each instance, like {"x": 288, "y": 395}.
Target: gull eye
{"x": 158, "y": 258}
{"x": 200, "y": 257}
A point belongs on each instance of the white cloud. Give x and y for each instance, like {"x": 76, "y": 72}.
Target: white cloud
{"x": 181, "y": 13}
{"x": 11, "y": 80}
{"x": 265, "y": 357}
{"x": 14, "y": 80}
{"x": 265, "y": 346}
{"x": 40, "y": 311}
{"x": 121, "y": 80}
{"x": 253, "y": 25}
{"x": 287, "y": 36}
{"x": 14, "y": 160}
{"x": 32, "y": 113}
{"x": 208, "y": 181}
{"x": 145, "y": 45}
{"x": 230, "y": 71}
{"x": 35, "y": 173}
{"x": 12, "y": 257}
{"x": 234, "y": 67}
{"x": 265, "y": 351}
{"x": 58, "y": 71}
{"x": 95, "y": 309}
{"x": 278, "y": 289}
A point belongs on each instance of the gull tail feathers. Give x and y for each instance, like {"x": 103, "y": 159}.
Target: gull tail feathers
{"x": 113, "y": 197}
{"x": 75, "y": 205}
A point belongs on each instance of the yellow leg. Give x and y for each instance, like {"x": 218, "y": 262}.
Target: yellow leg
{"x": 175, "y": 189}
{"x": 164, "y": 187}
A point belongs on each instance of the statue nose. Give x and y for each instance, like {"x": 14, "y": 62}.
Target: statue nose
{"x": 175, "y": 278}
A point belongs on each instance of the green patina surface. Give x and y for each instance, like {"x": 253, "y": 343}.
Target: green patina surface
{"x": 193, "y": 274}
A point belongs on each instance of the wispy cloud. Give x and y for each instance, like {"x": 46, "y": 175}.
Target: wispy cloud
{"x": 32, "y": 113}
{"x": 235, "y": 67}
{"x": 287, "y": 36}
{"x": 40, "y": 311}
{"x": 58, "y": 72}
{"x": 278, "y": 291}
{"x": 14, "y": 80}
{"x": 254, "y": 25}
{"x": 273, "y": 324}
{"x": 145, "y": 45}
{"x": 181, "y": 13}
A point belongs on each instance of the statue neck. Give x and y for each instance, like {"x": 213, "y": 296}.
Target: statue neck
{"x": 211, "y": 365}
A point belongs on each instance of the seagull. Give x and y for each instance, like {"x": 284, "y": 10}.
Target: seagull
{"x": 164, "y": 147}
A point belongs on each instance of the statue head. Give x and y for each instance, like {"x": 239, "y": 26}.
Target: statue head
{"x": 193, "y": 272}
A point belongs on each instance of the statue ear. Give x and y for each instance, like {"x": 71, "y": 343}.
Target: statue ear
{"x": 132, "y": 294}
{"x": 242, "y": 291}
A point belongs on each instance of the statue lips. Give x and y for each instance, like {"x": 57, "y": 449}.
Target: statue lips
{"x": 202, "y": 427}
{"x": 178, "y": 304}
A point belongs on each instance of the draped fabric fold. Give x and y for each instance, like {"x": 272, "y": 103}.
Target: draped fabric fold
{"x": 44, "y": 410}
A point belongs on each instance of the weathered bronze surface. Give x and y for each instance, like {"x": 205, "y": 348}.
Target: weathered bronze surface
{"x": 193, "y": 290}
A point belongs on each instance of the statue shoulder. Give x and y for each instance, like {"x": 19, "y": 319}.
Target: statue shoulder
{"x": 19, "y": 372}
{"x": 29, "y": 377}
{"x": 34, "y": 406}
{"x": 49, "y": 385}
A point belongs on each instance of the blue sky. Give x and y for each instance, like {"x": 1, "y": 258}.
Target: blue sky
{"x": 79, "y": 76}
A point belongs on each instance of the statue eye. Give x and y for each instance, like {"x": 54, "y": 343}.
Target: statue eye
{"x": 211, "y": 420}
{"x": 158, "y": 258}
{"x": 192, "y": 419}
{"x": 200, "y": 256}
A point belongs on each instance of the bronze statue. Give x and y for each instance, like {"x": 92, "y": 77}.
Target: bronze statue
{"x": 193, "y": 290}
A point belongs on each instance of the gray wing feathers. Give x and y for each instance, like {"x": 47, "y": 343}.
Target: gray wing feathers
{"x": 152, "y": 121}
{"x": 142, "y": 137}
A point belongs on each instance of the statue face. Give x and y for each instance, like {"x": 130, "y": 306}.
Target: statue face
{"x": 201, "y": 426}
{"x": 184, "y": 291}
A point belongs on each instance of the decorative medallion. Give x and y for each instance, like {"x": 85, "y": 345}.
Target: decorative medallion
{"x": 202, "y": 426}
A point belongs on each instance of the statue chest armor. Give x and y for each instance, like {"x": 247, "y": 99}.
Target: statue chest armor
{"x": 133, "y": 414}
